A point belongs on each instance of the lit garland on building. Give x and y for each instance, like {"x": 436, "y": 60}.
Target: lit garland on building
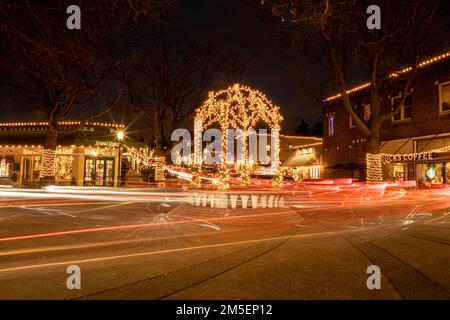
{"x": 395, "y": 74}
{"x": 61, "y": 123}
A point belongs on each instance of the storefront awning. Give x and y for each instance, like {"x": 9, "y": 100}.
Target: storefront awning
{"x": 432, "y": 144}
{"x": 300, "y": 160}
{"x": 398, "y": 146}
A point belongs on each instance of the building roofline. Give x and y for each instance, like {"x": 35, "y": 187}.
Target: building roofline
{"x": 61, "y": 123}
{"x": 396, "y": 74}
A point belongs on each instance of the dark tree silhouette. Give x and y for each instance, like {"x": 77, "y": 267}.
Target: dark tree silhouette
{"x": 172, "y": 78}
{"x": 61, "y": 70}
{"x": 302, "y": 129}
{"x": 337, "y": 30}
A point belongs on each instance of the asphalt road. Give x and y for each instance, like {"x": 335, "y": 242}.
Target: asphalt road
{"x": 158, "y": 246}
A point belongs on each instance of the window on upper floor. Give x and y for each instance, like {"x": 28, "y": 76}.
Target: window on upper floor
{"x": 444, "y": 97}
{"x": 351, "y": 122}
{"x": 405, "y": 112}
{"x": 330, "y": 125}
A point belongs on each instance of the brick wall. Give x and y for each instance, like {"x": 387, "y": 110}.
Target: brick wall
{"x": 348, "y": 145}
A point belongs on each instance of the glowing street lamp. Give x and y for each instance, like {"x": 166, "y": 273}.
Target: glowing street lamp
{"x": 120, "y": 137}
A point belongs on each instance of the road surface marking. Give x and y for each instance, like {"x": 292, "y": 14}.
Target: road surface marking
{"x": 141, "y": 254}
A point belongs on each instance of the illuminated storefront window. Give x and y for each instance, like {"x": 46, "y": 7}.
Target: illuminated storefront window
{"x": 4, "y": 168}
{"x": 64, "y": 167}
{"x": 431, "y": 173}
{"x": 31, "y": 166}
{"x": 399, "y": 172}
{"x": 447, "y": 172}
{"x": 314, "y": 172}
{"x": 99, "y": 172}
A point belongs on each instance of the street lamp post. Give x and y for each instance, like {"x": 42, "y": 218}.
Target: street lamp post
{"x": 120, "y": 137}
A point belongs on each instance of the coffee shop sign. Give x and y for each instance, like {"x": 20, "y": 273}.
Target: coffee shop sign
{"x": 386, "y": 158}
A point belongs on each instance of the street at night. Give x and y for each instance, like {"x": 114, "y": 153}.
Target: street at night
{"x": 317, "y": 246}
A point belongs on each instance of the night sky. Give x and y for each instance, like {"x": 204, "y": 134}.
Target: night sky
{"x": 243, "y": 26}
{"x": 246, "y": 26}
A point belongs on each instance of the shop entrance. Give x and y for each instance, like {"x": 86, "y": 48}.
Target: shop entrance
{"x": 31, "y": 167}
{"x": 99, "y": 172}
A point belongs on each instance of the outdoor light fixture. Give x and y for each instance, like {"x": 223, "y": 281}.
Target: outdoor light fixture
{"x": 120, "y": 135}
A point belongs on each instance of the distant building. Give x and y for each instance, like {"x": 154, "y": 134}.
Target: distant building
{"x": 301, "y": 156}
{"x": 415, "y": 144}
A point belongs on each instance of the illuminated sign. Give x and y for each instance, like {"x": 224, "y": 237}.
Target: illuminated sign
{"x": 408, "y": 157}
{"x": 431, "y": 173}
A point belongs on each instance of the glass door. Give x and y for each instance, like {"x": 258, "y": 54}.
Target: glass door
{"x": 109, "y": 172}
{"x": 31, "y": 169}
{"x": 89, "y": 172}
{"x": 99, "y": 172}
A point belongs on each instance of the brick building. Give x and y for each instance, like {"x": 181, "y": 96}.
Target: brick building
{"x": 415, "y": 144}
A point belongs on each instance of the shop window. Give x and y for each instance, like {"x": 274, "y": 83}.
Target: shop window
{"x": 405, "y": 112}
{"x": 447, "y": 172}
{"x": 432, "y": 173}
{"x": 444, "y": 97}
{"x": 314, "y": 172}
{"x": 399, "y": 172}
{"x": 331, "y": 125}
{"x": 64, "y": 167}
{"x": 4, "y": 168}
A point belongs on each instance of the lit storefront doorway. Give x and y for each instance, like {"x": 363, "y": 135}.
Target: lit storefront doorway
{"x": 99, "y": 172}
{"x": 31, "y": 168}
{"x": 434, "y": 173}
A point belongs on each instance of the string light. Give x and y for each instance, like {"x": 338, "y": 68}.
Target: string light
{"x": 48, "y": 164}
{"x": 244, "y": 171}
{"x": 62, "y": 123}
{"x": 374, "y": 171}
{"x": 395, "y": 74}
{"x": 301, "y": 137}
{"x": 196, "y": 171}
{"x": 275, "y": 152}
{"x": 224, "y": 177}
{"x": 159, "y": 168}
{"x": 277, "y": 180}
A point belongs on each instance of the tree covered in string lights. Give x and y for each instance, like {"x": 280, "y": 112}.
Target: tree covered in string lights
{"x": 238, "y": 107}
